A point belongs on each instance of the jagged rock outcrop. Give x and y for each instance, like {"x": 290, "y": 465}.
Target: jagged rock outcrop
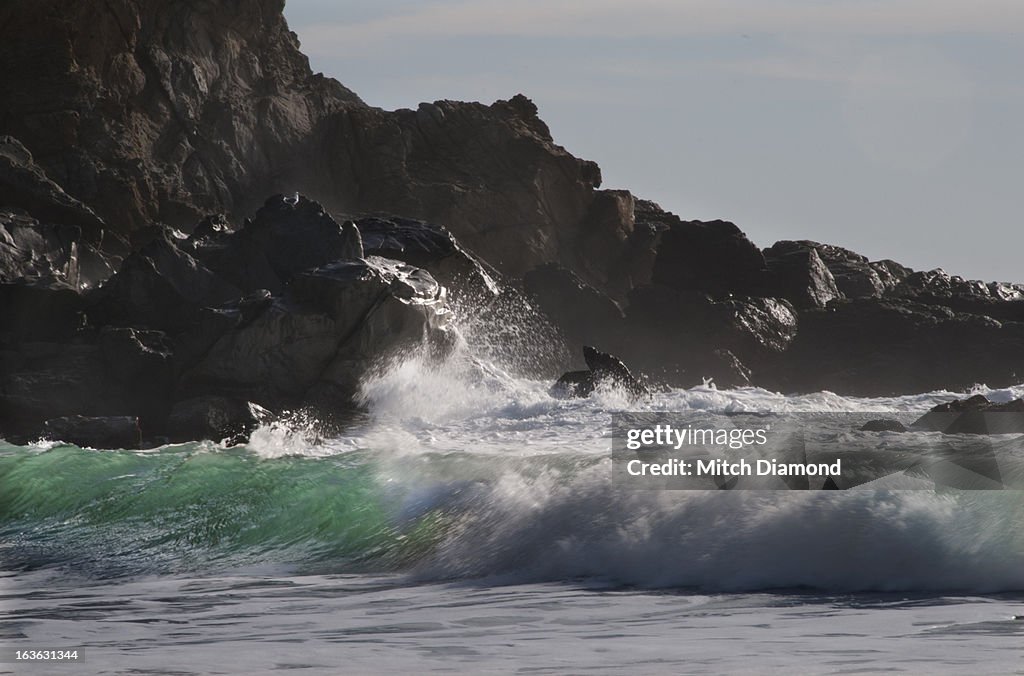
{"x": 1004, "y": 302}
{"x": 433, "y": 248}
{"x": 141, "y": 145}
{"x": 797, "y": 273}
{"x": 186, "y": 349}
{"x": 169, "y": 111}
{"x": 602, "y": 369}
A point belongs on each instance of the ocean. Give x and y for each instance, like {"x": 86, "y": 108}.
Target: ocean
{"x": 468, "y": 522}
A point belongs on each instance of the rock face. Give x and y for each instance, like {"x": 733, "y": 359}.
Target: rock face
{"x": 714, "y": 258}
{"x": 132, "y": 280}
{"x": 797, "y": 273}
{"x": 581, "y": 312}
{"x": 185, "y": 349}
{"x": 100, "y": 432}
{"x": 213, "y": 417}
{"x": 168, "y": 111}
{"x": 433, "y": 248}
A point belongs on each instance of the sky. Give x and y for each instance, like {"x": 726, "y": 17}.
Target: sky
{"x": 894, "y": 128}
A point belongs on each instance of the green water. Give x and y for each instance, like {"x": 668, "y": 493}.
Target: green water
{"x": 191, "y": 506}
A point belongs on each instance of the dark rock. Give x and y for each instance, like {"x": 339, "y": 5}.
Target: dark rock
{"x": 581, "y": 312}
{"x": 139, "y": 367}
{"x": 212, "y": 227}
{"x": 974, "y": 415}
{"x": 41, "y": 380}
{"x": 215, "y": 418}
{"x": 602, "y": 368}
{"x": 854, "y": 276}
{"x": 605, "y": 242}
{"x": 650, "y": 221}
{"x": 160, "y": 286}
{"x": 673, "y": 335}
{"x": 298, "y": 234}
{"x": 606, "y": 367}
{"x": 151, "y": 116}
{"x": 239, "y": 258}
{"x": 37, "y": 253}
{"x": 332, "y": 326}
{"x": 113, "y": 372}
{"x": 432, "y": 248}
{"x": 105, "y": 432}
{"x": 796, "y": 273}
{"x": 890, "y": 273}
{"x": 935, "y": 287}
{"x": 880, "y": 347}
{"x": 573, "y": 385}
{"x": 33, "y": 312}
{"x": 723, "y": 369}
{"x": 713, "y": 257}
{"x": 23, "y": 184}
{"x": 287, "y": 236}
{"x": 883, "y": 425}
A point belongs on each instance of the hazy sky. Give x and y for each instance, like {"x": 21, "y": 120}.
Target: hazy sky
{"x": 895, "y": 127}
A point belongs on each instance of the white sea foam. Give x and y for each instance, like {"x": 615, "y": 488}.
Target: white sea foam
{"x": 544, "y": 507}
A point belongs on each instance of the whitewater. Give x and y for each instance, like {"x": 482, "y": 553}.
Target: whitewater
{"x": 466, "y": 520}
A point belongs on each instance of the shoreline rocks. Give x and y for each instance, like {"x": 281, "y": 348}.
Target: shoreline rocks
{"x": 182, "y": 350}
{"x": 140, "y": 268}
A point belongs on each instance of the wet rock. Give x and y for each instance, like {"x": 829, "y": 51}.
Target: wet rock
{"x": 602, "y": 368}
{"x": 215, "y": 418}
{"x": 883, "y": 425}
{"x": 797, "y": 273}
{"x": 935, "y": 287}
{"x": 105, "y": 432}
{"x": 432, "y": 248}
{"x": 724, "y": 369}
{"x": 854, "y": 275}
{"x": 574, "y": 384}
{"x": 331, "y": 326}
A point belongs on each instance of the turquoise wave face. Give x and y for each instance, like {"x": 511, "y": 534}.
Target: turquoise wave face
{"x": 192, "y": 507}
{"x": 200, "y": 508}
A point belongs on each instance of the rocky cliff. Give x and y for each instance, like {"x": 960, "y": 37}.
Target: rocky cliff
{"x": 139, "y": 142}
{"x": 168, "y": 111}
